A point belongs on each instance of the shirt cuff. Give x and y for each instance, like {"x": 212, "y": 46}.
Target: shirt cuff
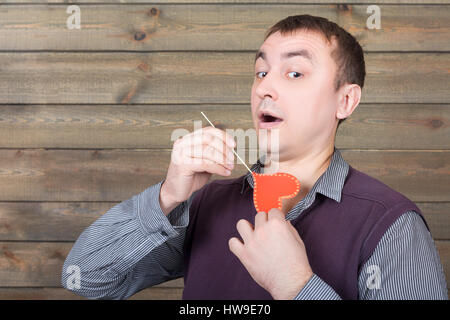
{"x": 317, "y": 289}
{"x": 153, "y": 219}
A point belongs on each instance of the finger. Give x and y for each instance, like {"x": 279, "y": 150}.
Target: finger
{"x": 223, "y": 135}
{"x": 297, "y": 235}
{"x": 212, "y": 154}
{"x": 211, "y": 131}
{"x": 207, "y": 153}
{"x": 275, "y": 213}
{"x": 179, "y": 157}
{"x": 237, "y": 248}
{"x": 205, "y": 165}
{"x": 208, "y": 139}
{"x": 260, "y": 219}
{"x": 208, "y": 146}
{"x": 245, "y": 230}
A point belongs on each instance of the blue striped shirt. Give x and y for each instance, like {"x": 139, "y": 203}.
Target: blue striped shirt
{"x": 134, "y": 246}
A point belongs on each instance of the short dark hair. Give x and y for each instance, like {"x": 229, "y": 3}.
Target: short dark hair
{"x": 348, "y": 55}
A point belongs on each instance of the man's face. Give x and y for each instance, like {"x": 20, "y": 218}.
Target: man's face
{"x": 298, "y": 89}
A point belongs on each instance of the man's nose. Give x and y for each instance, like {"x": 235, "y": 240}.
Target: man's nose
{"x": 266, "y": 87}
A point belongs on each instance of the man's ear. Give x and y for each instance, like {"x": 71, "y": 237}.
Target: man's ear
{"x": 349, "y": 97}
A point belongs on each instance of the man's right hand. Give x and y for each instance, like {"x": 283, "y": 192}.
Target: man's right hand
{"x": 195, "y": 157}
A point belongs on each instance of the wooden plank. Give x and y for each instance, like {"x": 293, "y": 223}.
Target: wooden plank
{"x": 402, "y": 126}
{"x": 437, "y": 215}
{"x": 39, "y": 264}
{"x": 371, "y": 126}
{"x": 194, "y": 77}
{"x": 212, "y": 27}
{"x": 48, "y": 221}
{"x": 65, "y": 221}
{"x": 63, "y": 294}
{"x": 110, "y": 126}
{"x": 116, "y": 175}
{"x": 419, "y": 175}
{"x": 125, "y": 172}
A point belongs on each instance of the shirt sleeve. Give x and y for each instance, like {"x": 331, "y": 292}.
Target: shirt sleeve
{"x": 132, "y": 246}
{"x": 404, "y": 265}
{"x": 317, "y": 289}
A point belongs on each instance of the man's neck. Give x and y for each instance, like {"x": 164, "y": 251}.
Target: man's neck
{"x": 307, "y": 168}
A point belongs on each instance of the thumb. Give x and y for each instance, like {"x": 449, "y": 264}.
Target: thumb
{"x": 294, "y": 231}
{"x": 237, "y": 247}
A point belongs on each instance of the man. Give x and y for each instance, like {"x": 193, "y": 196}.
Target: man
{"x": 344, "y": 236}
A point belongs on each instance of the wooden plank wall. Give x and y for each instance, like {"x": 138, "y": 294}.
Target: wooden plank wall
{"x": 86, "y": 115}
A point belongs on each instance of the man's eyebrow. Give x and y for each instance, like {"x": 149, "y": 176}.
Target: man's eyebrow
{"x": 260, "y": 54}
{"x": 286, "y": 55}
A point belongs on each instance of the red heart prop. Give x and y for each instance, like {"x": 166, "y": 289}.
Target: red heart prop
{"x": 269, "y": 189}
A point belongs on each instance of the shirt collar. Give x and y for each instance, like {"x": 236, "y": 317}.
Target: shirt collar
{"x": 329, "y": 184}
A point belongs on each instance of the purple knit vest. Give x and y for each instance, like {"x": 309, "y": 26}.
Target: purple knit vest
{"x": 339, "y": 237}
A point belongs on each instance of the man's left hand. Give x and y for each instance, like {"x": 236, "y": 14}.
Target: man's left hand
{"x": 273, "y": 253}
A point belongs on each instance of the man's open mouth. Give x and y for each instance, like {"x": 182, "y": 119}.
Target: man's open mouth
{"x": 267, "y": 120}
{"x": 270, "y": 118}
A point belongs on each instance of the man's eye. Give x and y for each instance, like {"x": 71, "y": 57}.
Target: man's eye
{"x": 258, "y": 73}
{"x": 296, "y": 74}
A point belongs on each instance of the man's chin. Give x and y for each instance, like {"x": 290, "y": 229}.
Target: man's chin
{"x": 270, "y": 161}
{"x": 268, "y": 157}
